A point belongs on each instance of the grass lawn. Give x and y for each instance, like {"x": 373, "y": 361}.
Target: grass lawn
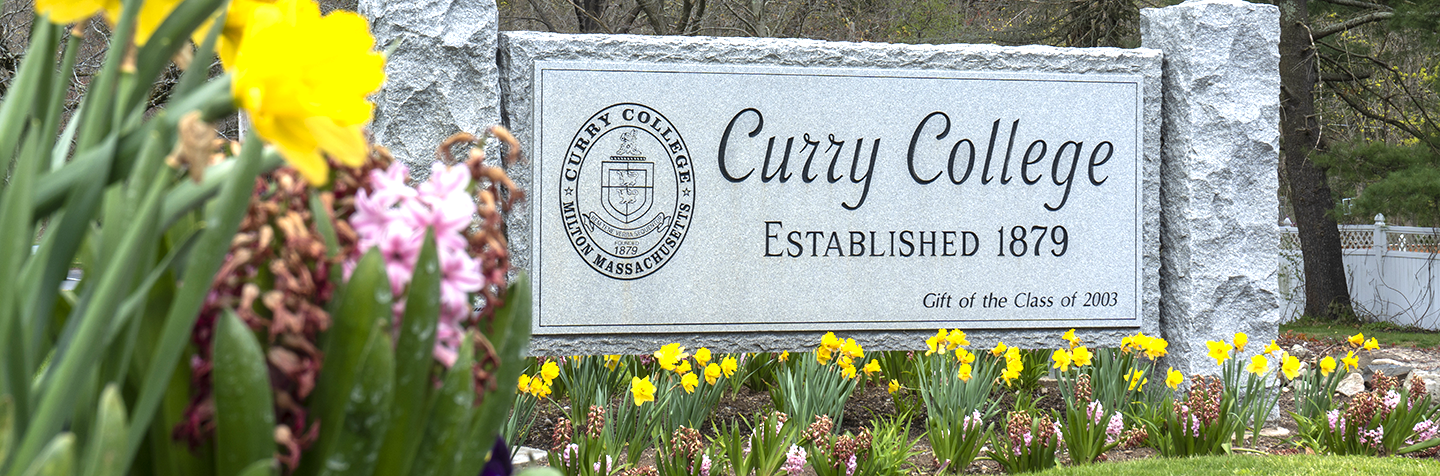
{"x": 1387, "y": 333}
{"x": 1267, "y": 465}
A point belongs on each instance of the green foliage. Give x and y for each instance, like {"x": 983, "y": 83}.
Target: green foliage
{"x": 1294, "y": 465}
{"x": 757, "y": 449}
{"x": 955, "y": 407}
{"x": 1400, "y": 181}
{"x": 1026, "y": 444}
{"x": 890, "y": 447}
{"x": 804, "y": 388}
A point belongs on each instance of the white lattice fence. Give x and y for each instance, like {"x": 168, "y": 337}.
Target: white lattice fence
{"x": 1391, "y": 271}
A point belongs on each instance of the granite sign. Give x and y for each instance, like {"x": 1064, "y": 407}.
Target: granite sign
{"x": 747, "y": 197}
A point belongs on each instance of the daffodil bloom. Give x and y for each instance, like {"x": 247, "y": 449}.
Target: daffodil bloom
{"x": 872, "y": 367}
{"x": 1062, "y": 359}
{"x": 1272, "y": 347}
{"x": 1173, "y": 378}
{"x": 524, "y": 384}
{"x": 670, "y": 355}
{"x": 831, "y": 342}
{"x": 845, "y": 363}
{"x": 689, "y": 381}
{"x": 1129, "y": 343}
{"x": 1155, "y": 347}
{"x": 549, "y": 371}
{"x": 935, "y": 342}
{"x": 848, "y": 371}
{"x": 999, "y": 349}
{"x": 894, "y": 386}
{"x": 964, "y": 356}
{"x": 232, "y": 32}
{"x": 642, "y": 390}
{"x": 853, "y": 349}
{"x": 1240, "y": 340}
{"x": 712, "y": 373}
{"x": 702, "y": 356}
{"x": 966, "y": 372}
{"x": 539, "y": 388}
{"x": 1007, "y": 375}
{"x": 1220, "y": 351}
{"x": 1327, "y": 366}
{"x": 1357, "y": 340}
{"x": 612, "y": 361}
{"x": 1070, "y": 337}
{"x": 1136, "y": 379}
{"x": 1350, "y": 361}
{"x": 1258, "y": 364}
{"x": 784, "y": 356}
{"x": 823, "y": 354}
{"x": 303, "y": 80}
{"x": 1081, "y": 356}
{"x": 1371, "y": 344}
{"x": 1290, "y": 366}
{"x": 728, "y": 365}
{"x": 152, "y": 13}
{"x": 956, "y": 339}
{"x": 683, "y": 368}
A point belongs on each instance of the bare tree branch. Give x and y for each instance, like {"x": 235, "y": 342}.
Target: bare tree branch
{"x": 544, "y": 16}
{"x": 1328, "y": 30}
{"x": 1359, "y": 4}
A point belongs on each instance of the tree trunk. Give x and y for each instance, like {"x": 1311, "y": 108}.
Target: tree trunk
{"x": 1326, "y": 293}
{"x": 587, "y": 16}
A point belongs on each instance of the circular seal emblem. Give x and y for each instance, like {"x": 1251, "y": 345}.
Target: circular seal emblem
{"x": 627, "y": 191}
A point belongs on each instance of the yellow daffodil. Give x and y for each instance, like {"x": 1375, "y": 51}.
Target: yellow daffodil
{"x": 712, "y": 373}
{"x": 936, "y": 342}
{"x": 1008, "y": 375}
{"x": 956, "y": 339}
{"x": 152, "y": 13}
{"x": 964, "y": 356}
{"x": 848, "y": 371}
{"x": 1062, "y": 359}
{"x": 967, "y": 372}
{"x": 233, "y": 32}
{"x": 1136, "y": 378}
{"x": 1351, "y": 361}
{"x": 1371, "y": 344}
{"x": 689, "y": 381}
{"x": 1357, "y": 340}
{"x": 1129, "y": 343}
{"x": 1155, "y": 347}
{"x": 1271, "y": 347}
{"x": 728, "y": 365}
{"x": 303, "y": 80}
{"x": 539, "y": 388}
{"x": 1258, "y": 364}
{"x": 999, "y": 349}
{"x": 894, "y": 386}
{"x": 1070, "y": 337}
{"x": 784, "y": 356}
{"x": 1220, "y": 351}
{"x": 670, "y": 355}
{"x": 831, "y": 342}
{"x": 852, "y": 349}
{"x": 1240, "y": 340}
{"x": 1081, "y": 356}
{"x": 824, "y": 354}
{"x": 524, "y": 384}
{"x": 702, "y": 356}
{"x": 871, "y": 368}
{"x": 1173, "y": 378}
{"x": 549, "y": 371}
{"x": 1327, "y": 366}
{"x": 642, "y": 390}
{"x": 683, "y": 368}
{"x": 1290, "y": 366}
{"x": 612, "y": 361}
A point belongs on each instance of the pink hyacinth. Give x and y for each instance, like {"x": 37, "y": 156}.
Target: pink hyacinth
{"x": 392, "y": 217}
{"x": 850, "y": 466}
{"x": 794, "y": 460}
{"x": 1113, "y": 430}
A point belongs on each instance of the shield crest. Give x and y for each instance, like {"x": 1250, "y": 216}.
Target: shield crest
{"x": 627, "y": 189}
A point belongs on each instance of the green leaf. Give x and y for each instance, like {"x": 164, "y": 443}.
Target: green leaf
{"x": 365, "y": 301}
{"x": 56, "y": 459}
{"x": 264, "y": 467}
{"x": 7, "y": 426}
{"x": 414, "y": 352}
{"x": 449, "y": 415}
{"x": 1421, "y": 446}
{"x": 540, "y": 471}
{"x": 244, "y": 409}
{"x": 25, "y": 87}
{"x": 107, "y": 437}
{"x": 511, "y": 336}
{"x": 367, "y": 410}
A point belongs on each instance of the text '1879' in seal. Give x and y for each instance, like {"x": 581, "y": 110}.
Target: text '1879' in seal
{"x": 627, "y": 191}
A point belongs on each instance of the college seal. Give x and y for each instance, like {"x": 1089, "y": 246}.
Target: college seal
{"x": 627, "y": 191}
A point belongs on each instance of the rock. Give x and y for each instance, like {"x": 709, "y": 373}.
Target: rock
{"x": 1221, "y": 113}
{"x": 1300, "y": 352}
{"x": 1389, "y": 367}
{"x": 526, "y": 455}
{"x": 1277, "y": 432}
{"x": 1352, "y": 384}
{"x": 442, "y": 79}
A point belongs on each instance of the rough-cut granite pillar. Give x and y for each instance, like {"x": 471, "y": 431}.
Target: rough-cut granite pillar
{"x": 441, "y": 80}
{"x": 1218, "y": 179}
